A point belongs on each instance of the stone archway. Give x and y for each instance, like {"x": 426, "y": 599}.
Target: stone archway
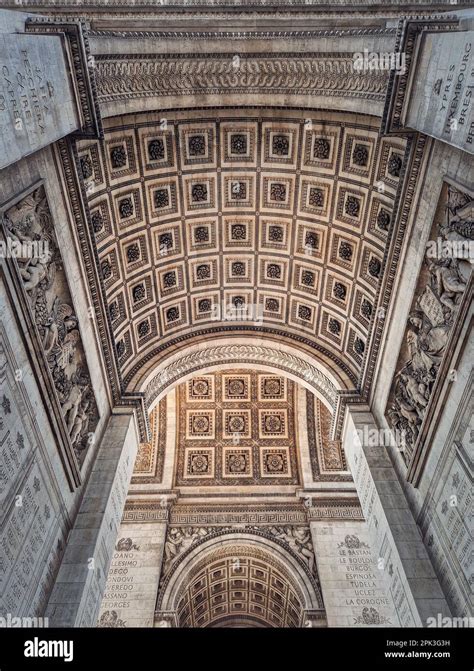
{"x": 238, "y": 580}
{"x": 263, "y": 354}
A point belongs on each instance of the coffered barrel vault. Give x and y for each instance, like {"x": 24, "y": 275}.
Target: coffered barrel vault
{"x": 245, "y": 221}
{"x": 238, "y": 381}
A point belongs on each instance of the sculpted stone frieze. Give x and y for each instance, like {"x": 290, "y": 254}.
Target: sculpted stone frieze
{"x": 295, "y": 538}
{"x": 443, "y": 279}
{"x": 44, "y": 280}
{"x": 149, "y": 76}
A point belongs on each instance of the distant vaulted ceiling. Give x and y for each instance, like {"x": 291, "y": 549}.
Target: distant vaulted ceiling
{"x": 283, "y": 215}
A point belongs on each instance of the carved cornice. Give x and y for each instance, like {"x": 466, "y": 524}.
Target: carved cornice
{"x": 241, "y": 34}
{"x": 288, "y": 73}
{"x": 65, "y": 166}
{"x": 74, "y": 31}
{"x": 237, "y": 516}
{"x": 399, "y": 83}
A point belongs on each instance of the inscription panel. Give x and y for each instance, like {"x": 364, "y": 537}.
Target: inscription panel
{"x": 441, "y": 104}
{"x": 37, "y": 105}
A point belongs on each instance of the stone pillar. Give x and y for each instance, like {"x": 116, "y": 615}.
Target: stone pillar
{"x": 394, "y": 535}
{"x": 351, "y": 579}
{"x": 132, "y": 584}
{"x": 76, "y": 596}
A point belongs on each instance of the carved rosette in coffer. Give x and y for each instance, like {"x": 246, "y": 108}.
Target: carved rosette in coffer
{"x": 42, "y": 276}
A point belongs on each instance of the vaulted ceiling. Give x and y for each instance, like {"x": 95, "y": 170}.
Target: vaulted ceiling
{"x": 282, "y": 216}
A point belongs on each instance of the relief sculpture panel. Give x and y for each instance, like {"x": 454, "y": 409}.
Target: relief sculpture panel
{"x": 29, "y": 225}
{"x": 443, "y": 279}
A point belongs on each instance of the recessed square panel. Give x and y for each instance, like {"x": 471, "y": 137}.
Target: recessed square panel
{"x": 306, "y": 278}
{"x": 200, "y": 388}
{"x": 162, "y": 198}
{"x": 201, "y": 236}
{"x": 157, "y": 149}
{"x": 236, "y": 424}
{"x": 199, "y": 463}
{"x": 271, "y": 388}
{"x": 238, "y": 232}
{"x": 198, "y": 145}
{"x": 273, "y": 424}
{"x": 275, "y": 233}
{"x": 200, "y": 424}
{"x": 321, "y": 144}
{"x": 120, "y": 156}
{"x": 199, "y": 193}
{"x": 237, "y": 462}
{"x": 236, "y": 388}
{"x": 166, "y": 243}
{"x": 206, "y": 307}
{"x": 238, "y": 269}
{"x": 204, "y": 272}
{"x": 272, "y": 304}
{"x": 274, "y": 462}
{"x": 303, "y": 314}
{"x": 315, "y": 197}
{"x": 238, "y": 191}
{"x": 238, "y": 145}
{"x": 311, "y": 241}
{"x": 279, "y": 144}
{"x": 277, "y": 192}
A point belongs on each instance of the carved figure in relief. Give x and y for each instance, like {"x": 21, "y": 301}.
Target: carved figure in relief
{"x": 417, "y": 391}
{"x": 50, "y": 301}
{"x": 447, "y": 281}
{"x": 60, "y": 322}
{"x": 179, "y": 540}
{"x": 430, "y": 340}
{"x": 304, "y": 545}
{"x": 81, "y": 421}
{"x": 35, "y": 270}
{"x": 299, "y": 540}
{"x": 430, "y": 322}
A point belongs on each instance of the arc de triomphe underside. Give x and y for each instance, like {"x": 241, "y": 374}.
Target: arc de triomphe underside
{"x": 236, "y": 384}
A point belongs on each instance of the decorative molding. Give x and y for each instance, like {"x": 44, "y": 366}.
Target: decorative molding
{"x": 233, "y": 515}
{"x": 167, "y": 75}
{"x": 74, "y": 31}
{"x": 320, "y": 510}
{"x": 240, "y": 354}
{"x": 326, "y": 455}
{"x": 399, "y": 83}
{"x": 416, "y": 159}
{"x": 138, "y": 512}
{"x": 241, "y": 34}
